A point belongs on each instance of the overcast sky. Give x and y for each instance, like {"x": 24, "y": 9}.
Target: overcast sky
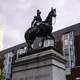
{"x": 16, "y": 17}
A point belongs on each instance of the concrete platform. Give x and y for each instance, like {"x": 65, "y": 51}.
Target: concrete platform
{"x": 43, "y": 64}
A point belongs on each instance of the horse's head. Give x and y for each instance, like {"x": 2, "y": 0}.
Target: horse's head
{"x": 53, "y": 12}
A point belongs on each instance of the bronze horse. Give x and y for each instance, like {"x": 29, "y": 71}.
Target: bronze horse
{"x": 43, "y": 30}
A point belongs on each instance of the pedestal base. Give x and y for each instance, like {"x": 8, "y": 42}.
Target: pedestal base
{"x": 43, "y": 65}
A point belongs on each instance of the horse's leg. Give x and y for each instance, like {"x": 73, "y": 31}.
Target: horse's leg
{"x": 51, "y": 35}
{"x": 28, "y": 45}
{"x": 42, "y": 42}
{"x": 27, "y": 38}
{"x": 32, "y": 40}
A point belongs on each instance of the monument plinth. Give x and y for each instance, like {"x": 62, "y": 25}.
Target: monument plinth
{"x": 43, "y": 64}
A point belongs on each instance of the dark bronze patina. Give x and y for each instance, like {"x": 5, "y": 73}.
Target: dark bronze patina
{"x": 40, "y": 28}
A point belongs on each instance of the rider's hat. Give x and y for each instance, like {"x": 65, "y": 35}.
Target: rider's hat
{"x": 38, "y": 11}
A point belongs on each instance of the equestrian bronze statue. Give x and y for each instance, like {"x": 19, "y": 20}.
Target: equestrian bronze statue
{"x": 40, "y": 28}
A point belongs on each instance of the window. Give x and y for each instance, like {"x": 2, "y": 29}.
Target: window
{"x": 22, "y": 50}
{"x": 7, "y": 64}
{"x": 48, "y": 43}
{"x": 68, "y": 49}
{"x": 66, "y": 42}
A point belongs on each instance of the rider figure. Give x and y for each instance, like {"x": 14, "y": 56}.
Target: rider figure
{"x": 37, "y": 19}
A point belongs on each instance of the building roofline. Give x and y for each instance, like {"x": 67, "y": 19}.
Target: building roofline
{"x": 75, "y": 28}
{"x": 18, "y": 46}
{"x": 67, "y": 27}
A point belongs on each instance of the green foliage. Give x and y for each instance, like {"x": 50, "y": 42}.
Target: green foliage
{"x": 2, "y": 76}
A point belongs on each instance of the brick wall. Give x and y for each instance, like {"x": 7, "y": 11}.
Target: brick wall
{"x": 75, "y": 73}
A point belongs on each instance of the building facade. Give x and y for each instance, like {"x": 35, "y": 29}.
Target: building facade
{"x": 68, "y": 42}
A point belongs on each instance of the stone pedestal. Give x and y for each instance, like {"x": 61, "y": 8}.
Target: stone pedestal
{"x": 43, "y": 64}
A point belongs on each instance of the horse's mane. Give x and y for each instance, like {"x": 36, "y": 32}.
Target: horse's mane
{"x": 48, "y": 18}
